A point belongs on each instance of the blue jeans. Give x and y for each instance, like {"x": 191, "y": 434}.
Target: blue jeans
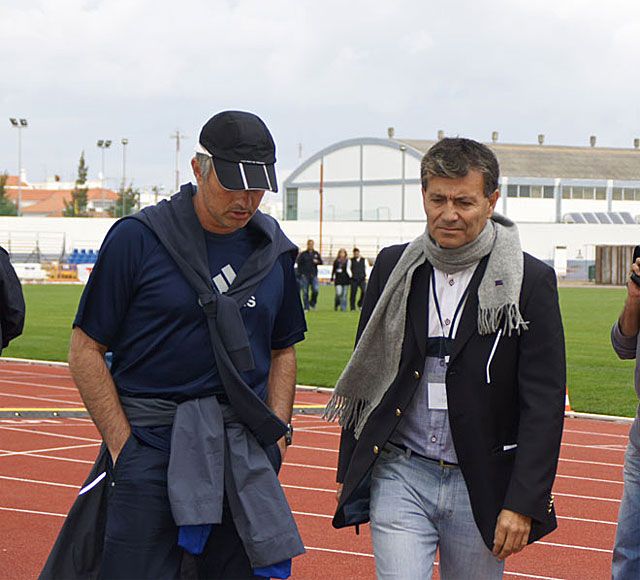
{"x": 341, "y": 297}
{"x": 307, "y": 282}
{"x": 418, "y": 506}
{"x": 626, "y": 552}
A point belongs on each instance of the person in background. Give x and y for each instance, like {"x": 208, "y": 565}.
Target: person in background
{"x": 12, "y": 307}
{"x": 340, "y": 276}
{"x": 624, "y": 337}
{"x": 357, "y": 269}
{"x": 308, "y": 262}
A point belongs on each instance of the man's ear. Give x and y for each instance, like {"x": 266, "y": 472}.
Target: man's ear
{"x": 195, "y": 166}
{"x": 493, "y": 200}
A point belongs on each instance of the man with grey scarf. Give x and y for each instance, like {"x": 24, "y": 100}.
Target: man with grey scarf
{"x": 452, "y": 404}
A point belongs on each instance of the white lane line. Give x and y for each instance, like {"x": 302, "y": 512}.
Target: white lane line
{"x": 309, "y": 466}
{"x": 595, "y": 433}
{"x": 609, "y": 447}
{"x": 53, "y": 457}
{"x": 47, "y": 399}
{"x": 40, "y": 385}
{"x": 39, "y": 482}
{"x": 5, "y": 453}
{"x": 592, "y": 479}
{"x": 48, "y": 433}
{"x": 345, "y": 552}
{"x": 294, "y": 446}
{"x": 314, "y": 430}
{"x": 591, "y": 497}
{"x": 587, "y": 520}
{"x": 520, "y": 574}
{"x": 584, "y": 462}
{"x": 572, "y": 547}
{"x": 304, "y": 488}
{"x": 8, "y": 509}
{"x": 312, "y": 515}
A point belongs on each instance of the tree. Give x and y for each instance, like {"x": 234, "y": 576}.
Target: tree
{"x": 77, "y": 206}
{"x": 7, "y": 207}
{"x": 128, "y": 201}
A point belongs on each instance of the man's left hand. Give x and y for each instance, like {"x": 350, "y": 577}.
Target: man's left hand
{"x": 511, "y": 535}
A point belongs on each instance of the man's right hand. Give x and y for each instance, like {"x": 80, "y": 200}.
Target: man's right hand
{"x": 338, "y": 492}
{"x": 633, "y": 290}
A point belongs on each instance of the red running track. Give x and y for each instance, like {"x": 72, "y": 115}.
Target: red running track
{"x": 43, "y": 462}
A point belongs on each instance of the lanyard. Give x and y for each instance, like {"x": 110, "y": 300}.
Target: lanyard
{"x": 444, "y": 348}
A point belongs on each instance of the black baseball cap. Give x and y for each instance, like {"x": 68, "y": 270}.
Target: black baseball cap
{"x": 242, "y": 150}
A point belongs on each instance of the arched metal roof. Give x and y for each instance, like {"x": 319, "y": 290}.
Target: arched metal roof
{"x": 390, "y": 143}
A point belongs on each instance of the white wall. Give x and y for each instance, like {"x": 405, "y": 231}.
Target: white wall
{"x": 530, "y": 210}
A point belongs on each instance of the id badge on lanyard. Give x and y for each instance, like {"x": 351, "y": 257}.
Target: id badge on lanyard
{"x": 436, "y": 385}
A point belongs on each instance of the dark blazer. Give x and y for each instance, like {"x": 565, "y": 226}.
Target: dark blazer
{"x": 522, "y": 404}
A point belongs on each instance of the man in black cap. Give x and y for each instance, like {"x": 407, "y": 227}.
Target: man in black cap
{"x": 197, "y": 300}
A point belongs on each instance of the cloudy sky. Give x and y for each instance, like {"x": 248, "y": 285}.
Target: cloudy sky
{"x": 316, "y": 71}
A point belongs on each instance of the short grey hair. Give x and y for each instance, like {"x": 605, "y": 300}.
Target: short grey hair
{"x": 205, "y": 163}
{"x": 455, "y": 157}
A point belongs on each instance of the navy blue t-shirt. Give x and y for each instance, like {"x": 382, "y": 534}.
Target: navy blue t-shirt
{"x": 139, "y": 305}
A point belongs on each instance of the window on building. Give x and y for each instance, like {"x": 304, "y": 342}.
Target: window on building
{"x": 512, "y": 191}
{"x": 617, "y": 193}
{"x": 601, "y": 193}
{"x": 525, "y": 191}
{"x": 628, "y": 194}
{"x": 382, "y": 202}
{"x": 291, "y": 211}
{"x": 588, "y": 193}
{"x": 536, "y": 191}
{"x": 566, "y": 192}
{"x": 548, "y": 192}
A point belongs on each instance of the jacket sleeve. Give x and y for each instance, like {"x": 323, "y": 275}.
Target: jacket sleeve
{"x": 12, "y": 307}
{"x": 541, "y": 393}
{"x": 347, "y": 439}
{"x": 333, "y": 270}
{"x": 625, "y": 346}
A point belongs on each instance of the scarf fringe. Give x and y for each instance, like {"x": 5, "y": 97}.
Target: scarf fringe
{"x": 348, "y": 412}
{"x": 489, "y": 320}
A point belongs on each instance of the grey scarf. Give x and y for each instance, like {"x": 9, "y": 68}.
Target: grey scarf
{"x": 376, "y": 358}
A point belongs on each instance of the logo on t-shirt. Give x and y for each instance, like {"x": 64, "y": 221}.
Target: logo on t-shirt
{"x": 223, "y": 281}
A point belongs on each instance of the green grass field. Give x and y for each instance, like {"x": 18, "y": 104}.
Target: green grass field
{"x": 598, "y": 381}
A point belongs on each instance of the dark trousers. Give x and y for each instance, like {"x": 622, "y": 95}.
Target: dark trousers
{"x": 355, "y": 284}
{"x": 141, "y": 537}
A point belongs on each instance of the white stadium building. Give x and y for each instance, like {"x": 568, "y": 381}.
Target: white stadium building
{"x": 565, "y": 199}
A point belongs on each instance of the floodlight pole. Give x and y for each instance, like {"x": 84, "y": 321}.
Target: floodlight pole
{"x": 321, "y": 191}
{"x": 19, "y": 124}
{"x": 177, "y": 136}
{"x": 124, "y": 142}
{"x": 103, "y": 144}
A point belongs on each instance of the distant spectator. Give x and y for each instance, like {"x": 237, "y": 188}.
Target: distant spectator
{"x": 308, "y": 262}
{"x": 357, "y": 269}
{"x": 12, "y": 308}
{"x": 340, "y": 276}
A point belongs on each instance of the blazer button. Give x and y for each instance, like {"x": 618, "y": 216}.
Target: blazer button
{"x": 376, "y": 450}
{"x": 416, "y": 375}
{"x": 398, "y": 412}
